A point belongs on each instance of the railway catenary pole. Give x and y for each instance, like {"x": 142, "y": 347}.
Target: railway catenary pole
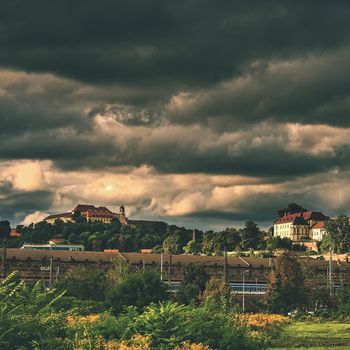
{"x": 225, "y": 265}
{"x": 330, "y": 271}
{"x": 243, "y": 297}
{"x": 169, "y": 268}
{"x": 50, "y": 278}
{"x": 3, "y": 274}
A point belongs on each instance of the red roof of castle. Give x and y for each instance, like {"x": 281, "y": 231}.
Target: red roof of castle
{"x": 84, "y": 207}
{"x": 306, "y": 215}
{"x": 100, "y": 213}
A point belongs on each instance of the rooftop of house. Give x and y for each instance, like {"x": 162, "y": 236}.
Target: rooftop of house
{"x": 319, "y": 225}
{"x": 100, "y": 213}
{"x": 306, "y": 215}
{"x": 83, "y": 208}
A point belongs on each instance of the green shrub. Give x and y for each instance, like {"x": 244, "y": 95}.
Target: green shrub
{"x": 113, "y": 328}
{"x": 78, "y": 306}
{"x": 219, "y": 331}
{"x": 27, "y": 320}
{"x": 137, "y": 289}
{"x": 168, "y": 325}
{"x": 84, "y": 283}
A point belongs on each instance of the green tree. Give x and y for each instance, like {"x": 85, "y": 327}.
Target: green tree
{"x": 207, "y": 243}
{"x": 274, "y": 243}
{"x": 275, "y": 297}
{"x": 215, "y": 242}
{"x": 218, "y": 294}
{"x": 78, "y": 218}
{"x": 193, "y": 248}
{"x": 343, "y": 301}
{"x": 195, "y": 274}
{"x": 289, "y": 290}
{"x": 195, "y": 278}
{"x": 251, "y": 236}
{"x": 174, "y": 244}
{"x": 73, "y": 238}
{"x": 291, "y": 208}
{"x": 138, "y": 289}
{"x": 5, "y": 229}
{"x": 83, "y": 283}
{"x": 39, "y": 233}
{"x": 337, "y": 236}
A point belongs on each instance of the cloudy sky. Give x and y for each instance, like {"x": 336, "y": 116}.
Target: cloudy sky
{"x": 203, "y": 113}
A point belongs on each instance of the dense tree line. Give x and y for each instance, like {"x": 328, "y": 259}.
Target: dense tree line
{"x": 173, "y": 239}
{"x": 93, "y": 235}
{"x": 250, "y": 237}
{"x": 98, "y": 236}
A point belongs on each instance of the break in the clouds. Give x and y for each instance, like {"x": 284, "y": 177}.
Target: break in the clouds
{"x": 198, "y": 112}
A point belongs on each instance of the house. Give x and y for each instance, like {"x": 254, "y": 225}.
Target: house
{"x": 308, "y": 225}
{"x": 318, "y": 231}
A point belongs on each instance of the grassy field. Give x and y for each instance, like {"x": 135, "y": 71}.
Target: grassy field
{"x": 314, "y": 336}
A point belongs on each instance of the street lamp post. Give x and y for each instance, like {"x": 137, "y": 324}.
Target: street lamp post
{"x": 243, "y": 300}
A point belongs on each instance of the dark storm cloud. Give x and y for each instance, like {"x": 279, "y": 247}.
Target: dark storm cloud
{"x": 75, "y": 126}
{"x": 20, "y": 204}
{"x": 180, "y": 43}
{"x": 260, "y": 207}
{"x": 142, "y": 53}
{"x": 263, "y": 152}
{"x": 311, "y": 90}
{"x": 186, "y": 87}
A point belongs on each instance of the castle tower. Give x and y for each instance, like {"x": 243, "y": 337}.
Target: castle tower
{"x": 122, "y": 217}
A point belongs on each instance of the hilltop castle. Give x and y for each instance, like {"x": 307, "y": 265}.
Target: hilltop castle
{"x": 90, "y": 213}
{"x": 301, "y": 226}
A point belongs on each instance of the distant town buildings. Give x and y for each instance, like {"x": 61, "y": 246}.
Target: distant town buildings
{"x": 303, "y": 226}
{"x": 90, "y": 213}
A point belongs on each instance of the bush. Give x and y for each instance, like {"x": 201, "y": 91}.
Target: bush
{"x": 137, "y": 289}
{"x": 343, "y": 302}
{"x": 219, "y": 331}
{"x": 166, "y": 325}
{"x": 102, "y": 331}
{"x": 30, "y": 320}
{"x": 27, "y": 320}
{"x": 78, "y": 306}
{"x": 83, "y": 283}
{"x": 170, "y": 325}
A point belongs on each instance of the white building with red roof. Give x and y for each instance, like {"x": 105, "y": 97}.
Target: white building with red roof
{"x": 318, "y": 231}
{"x": 301, "y": 226}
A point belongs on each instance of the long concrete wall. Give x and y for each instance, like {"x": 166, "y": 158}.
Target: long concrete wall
{"x": 50, "y": 264}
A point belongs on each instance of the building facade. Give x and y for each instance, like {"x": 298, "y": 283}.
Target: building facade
{"x": 308, "y": 225}
{"x": 91, "y": 214}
